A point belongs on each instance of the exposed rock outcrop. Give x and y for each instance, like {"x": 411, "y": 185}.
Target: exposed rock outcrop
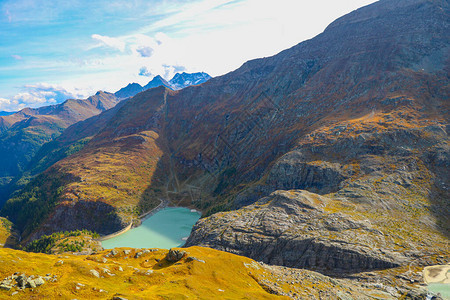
{"x": 292, "y": 228}
{"x": 22, "y": 281}
{"x": 292, "y": 171}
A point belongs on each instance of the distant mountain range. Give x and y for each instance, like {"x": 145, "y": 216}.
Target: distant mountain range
{"x": 22, "y": 133}
{"x": 178, "y": 82}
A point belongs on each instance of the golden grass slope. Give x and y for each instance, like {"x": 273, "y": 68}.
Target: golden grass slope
{"x": 215, "y": 275}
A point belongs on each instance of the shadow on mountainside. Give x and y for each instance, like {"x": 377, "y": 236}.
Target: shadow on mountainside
{"x": 43, "y": 201}
{"x": 11, "y": 242}
{"x": 440, "y": 208}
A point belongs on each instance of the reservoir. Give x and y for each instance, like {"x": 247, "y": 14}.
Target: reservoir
{"x": 440, "y": 288}
{"x": 167, "y": 228}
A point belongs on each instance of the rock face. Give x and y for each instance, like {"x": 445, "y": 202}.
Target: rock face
{"x": 291, "y": 228}
{"x": 71, "y": 217}
{"x": 293, "y": 171}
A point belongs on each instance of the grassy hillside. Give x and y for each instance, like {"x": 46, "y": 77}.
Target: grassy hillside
{"x": 60, "y": 242}
{"x": 201, "y": 274}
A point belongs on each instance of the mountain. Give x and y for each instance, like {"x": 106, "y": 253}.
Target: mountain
{"x": 129, "y": 91}
{"x": 24, "y": 132}
{"x": 180, "y": 81}
{"x": 331, "y": 155}
{"x": 157, "y": 81}
{"x": 6, "y": 113}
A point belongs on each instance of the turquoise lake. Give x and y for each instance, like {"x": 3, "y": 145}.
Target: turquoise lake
{"x": 441, "y": 288}
{"x": 167, "y": 228}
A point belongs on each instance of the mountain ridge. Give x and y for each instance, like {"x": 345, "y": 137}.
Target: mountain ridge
{"x": 6, "y": 113}
{"x": 24, "y": 132}
{"x": 179, "y": 81}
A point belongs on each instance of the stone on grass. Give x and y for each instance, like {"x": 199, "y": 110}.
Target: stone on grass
{"x": 175, "y": 255}
{"x": 95, "y": 273}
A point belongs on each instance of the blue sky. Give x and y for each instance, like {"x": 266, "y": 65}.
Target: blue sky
{"x": 54, "y": 50}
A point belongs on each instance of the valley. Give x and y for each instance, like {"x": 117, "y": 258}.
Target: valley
{"x": 321, "y": 173}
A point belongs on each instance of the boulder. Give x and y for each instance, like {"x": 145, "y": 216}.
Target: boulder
{"x": 175, "y": 255}
{"x": 192, "y": 258}
{"x": 4, "y": 286}
{"x": 30, "y": 283}
{"x": 21, "y": 280}
{"x": 95, "y": 273}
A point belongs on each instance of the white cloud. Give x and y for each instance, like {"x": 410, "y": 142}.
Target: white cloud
{"x": 143, "y": 71}
{"x": 16, "y": 57}
{"x": 10, "y": 105}
{"x": 36, "y": 95}
{"x": 30, "y": 99}
{"x": 145, "y": 51}
{"x": 5, "y": 105}
{"x": 186, "y": 13}
{"x": 170, "y": 71}
{"x": 110, "y": 42}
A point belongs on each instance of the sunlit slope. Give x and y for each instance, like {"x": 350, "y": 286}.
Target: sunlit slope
{"x": 201, "y": 274}
{"x": 23, "y": 133}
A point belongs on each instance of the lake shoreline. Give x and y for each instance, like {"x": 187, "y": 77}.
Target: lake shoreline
{"x": 117, "y": 233}
{"x": 141, "y": 218}
{"x": 164, "y": 204}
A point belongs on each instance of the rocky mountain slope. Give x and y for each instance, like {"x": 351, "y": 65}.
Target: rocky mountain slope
{"x": 380, "y": 158}
{"x": 337, "y": 146}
